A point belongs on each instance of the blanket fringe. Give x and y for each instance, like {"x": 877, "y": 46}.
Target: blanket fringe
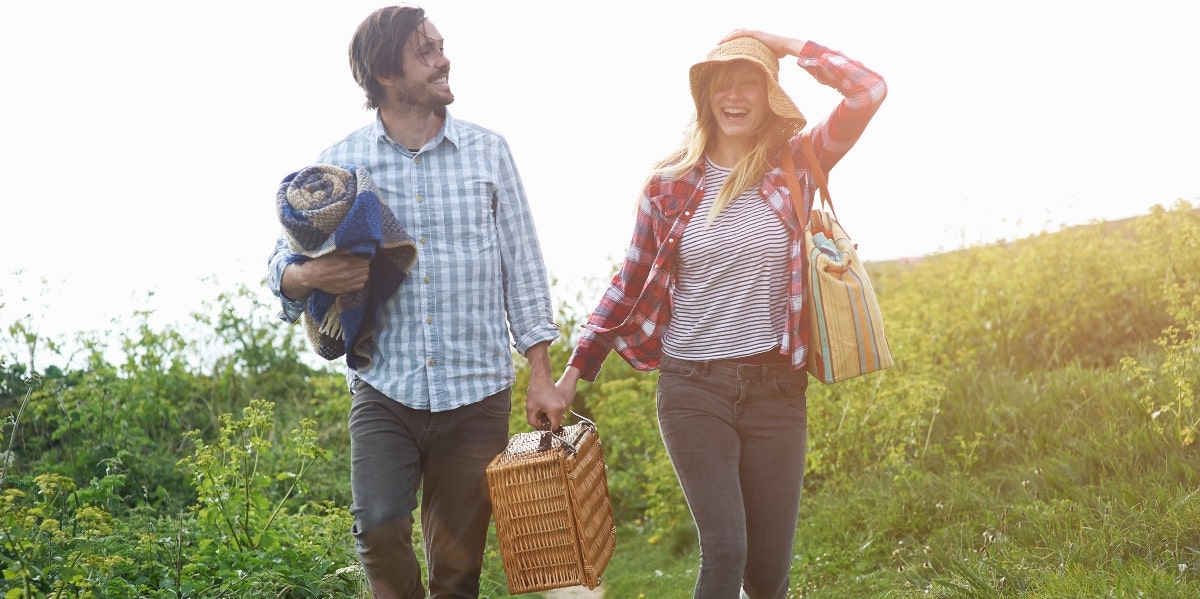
{"x": 331, "y": 326}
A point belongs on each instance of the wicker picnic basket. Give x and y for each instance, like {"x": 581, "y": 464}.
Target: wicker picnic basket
{"x": 554, "y": 522}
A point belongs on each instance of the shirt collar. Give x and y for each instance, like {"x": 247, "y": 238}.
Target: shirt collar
{"x": 449, "y": 131}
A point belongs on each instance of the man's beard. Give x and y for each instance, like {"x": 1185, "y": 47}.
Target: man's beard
{"x": 420, "y": 96}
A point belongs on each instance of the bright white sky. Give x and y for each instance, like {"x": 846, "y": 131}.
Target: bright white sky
{"x": 144, "y": 141}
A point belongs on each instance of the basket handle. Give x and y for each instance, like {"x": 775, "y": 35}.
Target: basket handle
{"x": 549, "y": 436}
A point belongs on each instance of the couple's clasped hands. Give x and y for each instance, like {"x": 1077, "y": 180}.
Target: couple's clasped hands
{"x": 551, "y": 399}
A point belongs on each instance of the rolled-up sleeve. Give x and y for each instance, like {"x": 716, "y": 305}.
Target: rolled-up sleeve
{"x": 527, "y": 287}
{"x": 862, "y": 89}
{"x": 290, "y": 309}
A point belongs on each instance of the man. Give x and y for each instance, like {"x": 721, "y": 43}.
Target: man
{"x": 431, "y": 407}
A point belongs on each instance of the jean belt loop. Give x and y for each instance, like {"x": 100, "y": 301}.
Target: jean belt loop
{"x": 746, "y": 372}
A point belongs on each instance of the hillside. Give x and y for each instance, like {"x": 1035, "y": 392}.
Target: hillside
{"x": 1037, "y": 438}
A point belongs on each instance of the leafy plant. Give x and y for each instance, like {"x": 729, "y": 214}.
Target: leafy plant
{"x": 233, "y": 495}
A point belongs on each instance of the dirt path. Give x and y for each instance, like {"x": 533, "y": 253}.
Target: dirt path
{"x": 579, "y": 592}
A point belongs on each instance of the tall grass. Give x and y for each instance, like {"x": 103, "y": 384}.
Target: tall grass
{"x": 1036, "y": 438}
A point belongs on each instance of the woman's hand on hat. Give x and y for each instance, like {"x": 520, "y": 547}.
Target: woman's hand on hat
{"x": 779, "y": 45}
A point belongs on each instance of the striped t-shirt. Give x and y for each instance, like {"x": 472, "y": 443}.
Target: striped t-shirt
{"x": 731, "y": 278}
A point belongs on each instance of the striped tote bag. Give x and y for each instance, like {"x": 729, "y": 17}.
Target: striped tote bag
{"x": 846, "y": 337}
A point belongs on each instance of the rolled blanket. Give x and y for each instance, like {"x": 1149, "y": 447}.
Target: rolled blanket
{"x": 327, "y": 209}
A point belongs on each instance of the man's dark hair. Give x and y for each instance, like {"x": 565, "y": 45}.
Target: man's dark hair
{"x": 376, "y": 50}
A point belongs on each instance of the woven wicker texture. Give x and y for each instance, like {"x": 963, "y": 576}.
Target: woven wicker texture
{"x": 554, "y": 522}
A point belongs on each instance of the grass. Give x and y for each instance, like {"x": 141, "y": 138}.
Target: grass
{"x": 1069, "y": 494}
{"x": 648, "y": 565}
{"x": 950, "y": 479}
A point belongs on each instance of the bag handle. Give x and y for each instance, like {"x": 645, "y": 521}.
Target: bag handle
{"x": 548, "y": 436}
{"x": 814, "y": 168}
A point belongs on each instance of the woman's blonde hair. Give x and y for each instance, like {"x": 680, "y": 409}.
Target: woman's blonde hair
{"x": 748, "y": 170}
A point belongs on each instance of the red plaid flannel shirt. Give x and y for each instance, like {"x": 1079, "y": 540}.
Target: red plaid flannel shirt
{"x": 636, "y": 308}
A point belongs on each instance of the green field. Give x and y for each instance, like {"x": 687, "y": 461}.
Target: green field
{"x": 1036, "y": 438}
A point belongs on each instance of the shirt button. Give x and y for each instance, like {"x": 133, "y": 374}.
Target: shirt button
{"x": 417, "y": 159}
{"x": 420, "y": 198}
{"x": 428, "y": 320}
{"x": 423, "y": 240}
{"x": 432, "y": 362}
{"x": 425, "y": 280}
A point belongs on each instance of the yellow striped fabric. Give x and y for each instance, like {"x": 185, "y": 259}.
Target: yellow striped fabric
{"x": 846, "y": 337}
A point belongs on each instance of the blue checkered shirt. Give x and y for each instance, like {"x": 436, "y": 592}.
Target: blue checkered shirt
{"x": 479, "y": 286}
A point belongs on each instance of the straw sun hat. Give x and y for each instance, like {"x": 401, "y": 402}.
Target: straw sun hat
{"x": 756, "y": 52}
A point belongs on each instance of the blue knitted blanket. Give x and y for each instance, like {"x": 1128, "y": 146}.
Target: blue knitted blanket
{"x": 329, "y": 209}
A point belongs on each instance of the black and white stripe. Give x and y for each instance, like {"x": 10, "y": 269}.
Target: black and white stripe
{"x": 731, "y": 280}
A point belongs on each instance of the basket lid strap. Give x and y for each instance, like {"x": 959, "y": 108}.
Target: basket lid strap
{"x": 549, "y": 436}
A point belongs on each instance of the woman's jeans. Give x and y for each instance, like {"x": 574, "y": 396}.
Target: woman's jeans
{"x": 396, "y": 450}
{"x": 736, "y": 436}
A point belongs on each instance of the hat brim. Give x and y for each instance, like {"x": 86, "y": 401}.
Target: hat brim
{"x": 754, "y": 52}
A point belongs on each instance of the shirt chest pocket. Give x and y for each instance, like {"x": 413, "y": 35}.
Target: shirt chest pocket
{"x": 466, "y": 212}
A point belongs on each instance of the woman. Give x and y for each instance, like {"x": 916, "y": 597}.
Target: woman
{"x": 710, "y": 294}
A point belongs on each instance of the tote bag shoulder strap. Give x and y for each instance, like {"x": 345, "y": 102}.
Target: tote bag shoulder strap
{"x": 814, "y": 168}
